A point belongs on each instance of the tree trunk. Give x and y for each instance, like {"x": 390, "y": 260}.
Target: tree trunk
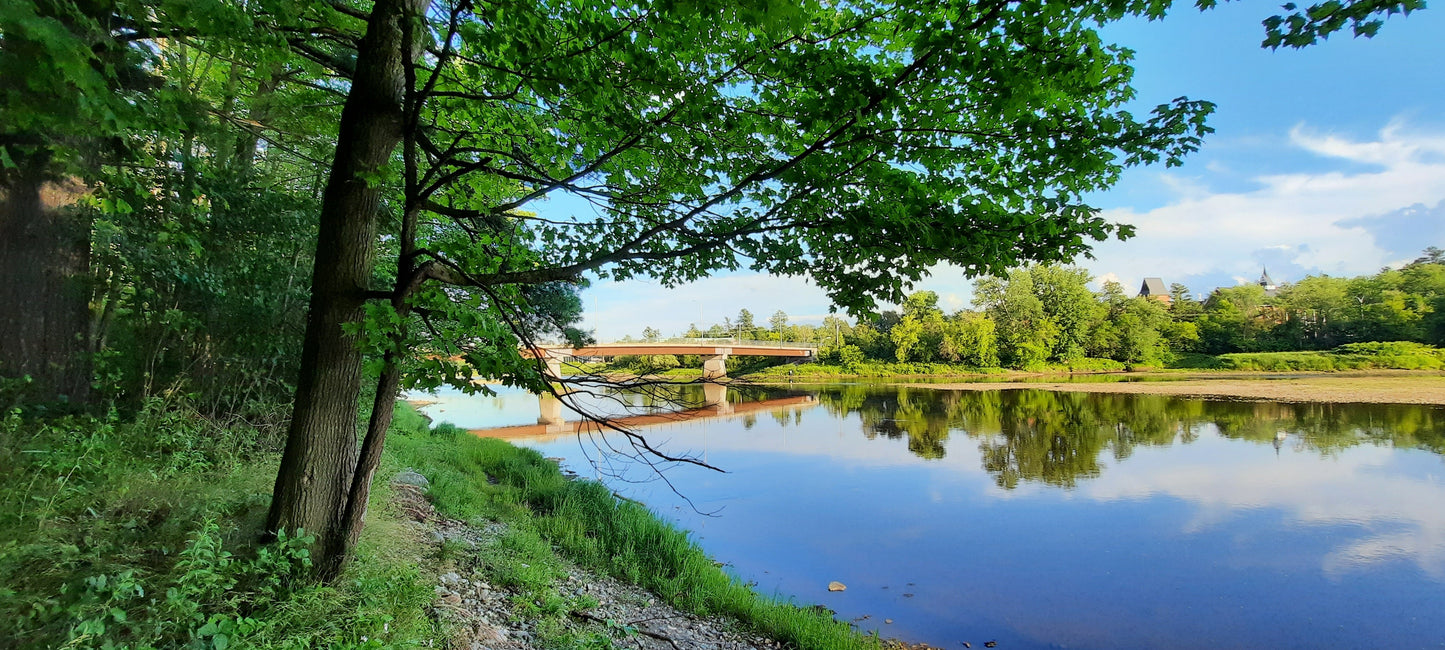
{"x": 320, "y": 456}
{"x": 44, "y": 297}
{"x": 343, "y": 538}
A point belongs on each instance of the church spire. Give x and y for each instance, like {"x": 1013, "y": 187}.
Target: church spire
{"x": 1266, "y": 282}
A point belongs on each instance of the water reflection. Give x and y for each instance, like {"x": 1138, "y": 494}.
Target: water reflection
{"x": 1043, "y": 519}
{"x": 1058, "y": 438}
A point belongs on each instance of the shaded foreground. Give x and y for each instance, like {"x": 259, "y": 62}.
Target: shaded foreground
{"x": 1370, "y": 389}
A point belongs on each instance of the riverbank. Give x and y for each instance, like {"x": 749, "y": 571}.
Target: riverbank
{"x": 1401, "y": 387}
{"x": 143, "y": 533}
{"x": 1353, "y": 357}
{"x": 556, "y": 526}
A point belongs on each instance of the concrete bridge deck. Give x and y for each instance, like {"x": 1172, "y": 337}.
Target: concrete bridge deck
{"x": 717, "y": 351}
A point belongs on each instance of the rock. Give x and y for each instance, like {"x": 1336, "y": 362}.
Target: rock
{"x": 452, "y": 599}
{"x": 437, "y": 537}
{"x": 450, "y": 578}
{"x": 990, "y": 644}
{"x": 836, "y": 586}
{"x": 823, "y": 610}
{"x": 411, "y": 477}
{"x": 887, "y": 621}
{"x": 967, "y": 644}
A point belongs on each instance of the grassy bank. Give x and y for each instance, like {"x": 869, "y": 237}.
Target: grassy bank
{"x": 143, "y": 534}
{"x": 479, "y": 479}
{"x": 889, "y": 369}
{"x": 1373, "y": 387}
{"x": 1354, "y": 356}
{"x": 1399, "y": 355}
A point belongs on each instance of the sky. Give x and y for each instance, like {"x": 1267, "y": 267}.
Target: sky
{"x": 1326, "y": 160}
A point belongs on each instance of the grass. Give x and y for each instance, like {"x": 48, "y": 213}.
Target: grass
{"x": 478, "y": 479}
{"x": 142, "y": 534}
{"x": 867, "y": 369}
{"x": 1397, "y": 355}
{"x": 890, "y": 369}
{"x": 1394, "y": 355}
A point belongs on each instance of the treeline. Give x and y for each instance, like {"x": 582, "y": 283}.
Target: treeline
{"x": 1046, "y": 315}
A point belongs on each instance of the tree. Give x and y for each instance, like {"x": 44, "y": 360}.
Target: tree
{"x": 1026, "y": 335}
{"x": 744, "y": 324}
{"x": 650, "y": 334}
{"x": 73, "y": 80}
{"x": 834, "y": 330}
{"x": 1069, "y": 306}
{"x": 905, "y": 336}
{"x": 121, "y": 123}
{"x": 317, "y": 487}
{"x": 1182, "y": 303}
{"x": 1432, "y": 255}
{"x": 1141, "y": 341}
{"x": 779, "y": 323}
{"x": 971, "y": 338}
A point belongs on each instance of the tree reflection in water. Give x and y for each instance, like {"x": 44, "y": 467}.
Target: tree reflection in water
{"x": 1059, "y": 438}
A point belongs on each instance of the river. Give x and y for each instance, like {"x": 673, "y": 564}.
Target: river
{"x": 1040, "y": 519}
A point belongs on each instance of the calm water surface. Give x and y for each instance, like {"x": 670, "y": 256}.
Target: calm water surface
{"x": 1039, "y": 519}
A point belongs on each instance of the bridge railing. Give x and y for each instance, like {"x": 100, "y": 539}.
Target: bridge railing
{"x": 723, "y": 341}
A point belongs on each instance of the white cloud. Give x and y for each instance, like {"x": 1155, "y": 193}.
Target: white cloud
{"x": 1309, "y": 221}
{"x": 1365, "y": 204}
{"x": 1392, "y": 516}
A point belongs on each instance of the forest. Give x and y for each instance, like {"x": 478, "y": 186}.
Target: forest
{"x": 1046, "y": 316}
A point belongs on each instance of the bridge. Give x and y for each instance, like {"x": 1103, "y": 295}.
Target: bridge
{"x": 716, "y": 350}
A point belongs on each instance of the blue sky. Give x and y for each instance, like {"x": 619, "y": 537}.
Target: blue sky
{"x": 1329, "y": 160}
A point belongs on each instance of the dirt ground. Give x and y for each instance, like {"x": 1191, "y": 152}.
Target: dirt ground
{"x": 1403, "y": 388}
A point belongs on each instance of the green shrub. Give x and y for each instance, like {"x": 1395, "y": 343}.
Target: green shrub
{"x": 142, "y": 533}
{"x": 646, "y": 363}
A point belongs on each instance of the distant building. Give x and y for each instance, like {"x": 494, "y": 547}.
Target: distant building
{"x": 1154, "y": 288}
{"x": 1268, "y": 284}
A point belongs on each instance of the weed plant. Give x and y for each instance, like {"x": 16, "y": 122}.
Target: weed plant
{"x": 143, "y": 533}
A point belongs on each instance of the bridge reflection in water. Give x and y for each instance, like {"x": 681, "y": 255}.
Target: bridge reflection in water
{"x": 551, "y": 424}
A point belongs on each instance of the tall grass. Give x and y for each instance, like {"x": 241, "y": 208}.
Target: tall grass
{"x": 485, "y": 478}
{"x": 143, "y": 533}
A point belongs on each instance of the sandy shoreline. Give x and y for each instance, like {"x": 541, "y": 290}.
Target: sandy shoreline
{"x": 1386, "y": 389}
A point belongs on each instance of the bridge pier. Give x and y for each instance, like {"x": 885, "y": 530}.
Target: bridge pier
{"x": 716, "y": 396}
{"x": 551, "y": 409}
{"x": 715, "y": 367}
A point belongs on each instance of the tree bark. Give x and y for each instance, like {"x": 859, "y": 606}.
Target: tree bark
{"x": 44, "y": 296}
{"x": 340, "y": 542}
{"x": 321, "y": 448}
